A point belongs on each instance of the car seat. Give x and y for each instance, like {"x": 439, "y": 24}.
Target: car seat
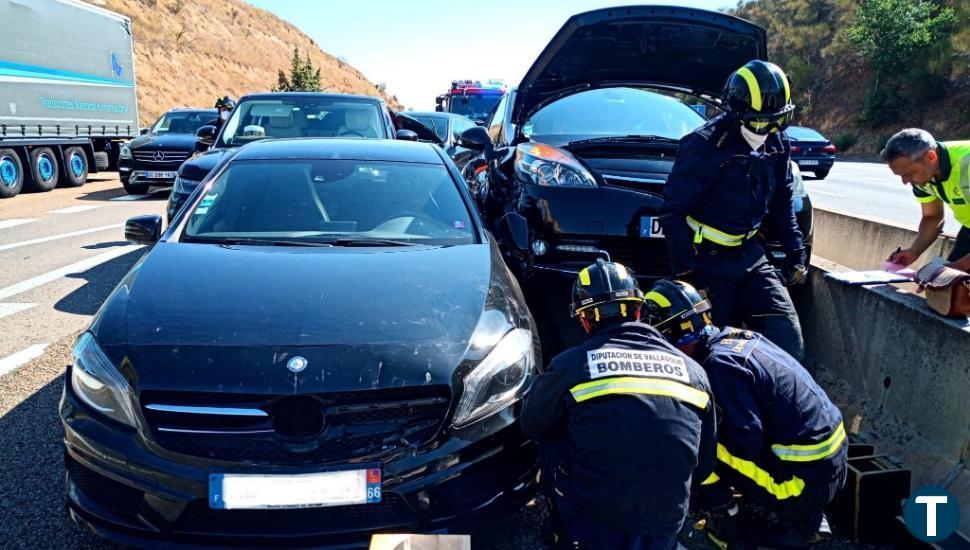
{"x": 357, "y": 123}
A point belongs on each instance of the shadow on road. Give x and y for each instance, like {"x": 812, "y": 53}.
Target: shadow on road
{"x": 101, "y": 280}
{"x": 110, "y": 244}
{"x": 157, "y": 194}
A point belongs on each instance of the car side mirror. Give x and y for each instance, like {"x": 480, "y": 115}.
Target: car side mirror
{"x": 206, "y": 135}
{"x": 476, "y": 139}
{"x": 143, "y": 131}
{"x": 143, "y": 229}
{"x": 406, "y": 135}
{"x": 514, "y": 229}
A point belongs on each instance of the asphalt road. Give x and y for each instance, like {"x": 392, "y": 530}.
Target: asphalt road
{"x": 869, "y": 190}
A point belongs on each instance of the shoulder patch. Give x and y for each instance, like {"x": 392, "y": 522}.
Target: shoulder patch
{"x": 605, "y": 362}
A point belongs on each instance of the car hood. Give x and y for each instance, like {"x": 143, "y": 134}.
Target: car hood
{"x": 198, "y": 167}
{"x": 229, "y": 319}
{"x": 671, "y": 47}
{"x": 152, "y": 142}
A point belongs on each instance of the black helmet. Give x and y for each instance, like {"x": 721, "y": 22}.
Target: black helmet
{"x": 760, "y": 96}
{"x": 225, "y": 103}
{"x": 603, "y": 290}
{"x": 678, "y": 311}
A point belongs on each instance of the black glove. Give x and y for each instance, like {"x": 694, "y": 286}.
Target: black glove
{"x": 793, "y": 271}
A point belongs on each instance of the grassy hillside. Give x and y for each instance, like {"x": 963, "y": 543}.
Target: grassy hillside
{"x": 833, "y": 80}
{"x": 187, "y": 53}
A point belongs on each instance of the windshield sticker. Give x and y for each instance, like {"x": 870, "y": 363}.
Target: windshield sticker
{"x": 207, "y": 202}
{"x": 459, "y": 224}
{"x": 606, "y": 362}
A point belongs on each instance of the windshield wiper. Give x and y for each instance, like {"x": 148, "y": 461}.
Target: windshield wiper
{"x": 349, "y": 241}
{"x": 257, "y": 242}
{"x": 623, "y": 139}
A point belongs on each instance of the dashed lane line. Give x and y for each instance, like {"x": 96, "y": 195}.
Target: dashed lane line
{"x": 75, "y": 209}
{"x": 14, "y": 222}
{"x": 6, "y": 310}
{"x": 130, "y": 198}
{"x": 61, "y": 236}
{"x": 56, "y": 274}
{"x": 16, "y": 360}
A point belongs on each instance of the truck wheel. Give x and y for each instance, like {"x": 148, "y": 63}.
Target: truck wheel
{"x": 11, "y": 173}
{"x": 43, "y": 168}
{"x": 135, "y": 188}
{"x": 77, "y": 167}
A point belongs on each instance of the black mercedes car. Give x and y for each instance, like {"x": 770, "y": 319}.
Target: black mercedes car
{"x": 154, "y": 157}
{"x": 325, "y": 343}
{"x": 577, "y": 156}
{"x": 449, "y": 127}
{"x": 287, "y": 115}
{"x": 811, "y": 150}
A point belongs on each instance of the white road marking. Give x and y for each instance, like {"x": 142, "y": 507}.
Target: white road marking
{"x": 61, "y": 236}
{"x": 83, "y": 265}
{"x": 75, "y": 209}
{"x": 816, "y": 191}
{"x": 16, "y": 360}
{"x": 130, "y": 198}
{"x": 14, "y": 222}
{"x": 6, "y": 310}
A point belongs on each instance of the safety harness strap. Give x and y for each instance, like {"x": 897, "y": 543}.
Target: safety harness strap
{"x": 717, "y": 236}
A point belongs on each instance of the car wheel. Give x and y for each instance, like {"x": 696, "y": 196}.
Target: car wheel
{"x": 821, "y": 174}
{"x": 135, "y": 188}
{"x": 43, "y": 168}
{"x": 77, "y": 167}
{"x": 11, "y": 173}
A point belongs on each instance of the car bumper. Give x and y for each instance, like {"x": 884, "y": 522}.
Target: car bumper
{"x": 810, "y": 164}
{"x": 122, "y": 490}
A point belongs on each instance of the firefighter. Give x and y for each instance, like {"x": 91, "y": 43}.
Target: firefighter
{"x": 224, "y": 106}
{"x": 781, "y": 442}
{"x": 730, "y": 175}
{"x": 624, "y": 421}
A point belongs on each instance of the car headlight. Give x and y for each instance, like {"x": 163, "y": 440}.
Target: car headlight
{"x": 125, "y": 153}
{"x": 543, "y": 164}
{"x": 798, "y": 192}
{"x": 498, "y": 379}
{"x": 184, "y": 185}
{"x": 97, "y": 382}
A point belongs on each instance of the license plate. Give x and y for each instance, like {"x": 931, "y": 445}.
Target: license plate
{"x": 808, "y": 162}
{"x": 160, "y": 175}
{"x": 256, "y": 491}
{"x": 650, "y": 228}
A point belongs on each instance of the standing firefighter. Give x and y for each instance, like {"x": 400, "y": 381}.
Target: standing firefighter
{"x": 729, "y": 176}
{"x": 624, "y": 421}
{"x": 780, "y": 441}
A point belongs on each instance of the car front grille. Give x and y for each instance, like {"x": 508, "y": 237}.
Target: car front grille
{"x": 294, "y": 429}
{"x": 159, "y": 160}
{"x": 647, "y": 258}
{"x": 646, "y": 183}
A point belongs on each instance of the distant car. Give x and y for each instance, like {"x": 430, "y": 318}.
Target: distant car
{"x": 153, "y": 159}
{"x": 449, "y": 127}
{"x": 325, "y": 343}
{"x": 811, "y": 150}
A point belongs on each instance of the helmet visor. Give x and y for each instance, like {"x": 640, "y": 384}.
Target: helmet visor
{"x": 766, "y": 124}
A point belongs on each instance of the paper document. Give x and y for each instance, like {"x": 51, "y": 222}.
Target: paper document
{"x": 874, "y": 277}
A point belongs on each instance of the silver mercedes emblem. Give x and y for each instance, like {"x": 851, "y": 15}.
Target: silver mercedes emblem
{"x": 159, "y": 156}
{"x": 296, "y": 364}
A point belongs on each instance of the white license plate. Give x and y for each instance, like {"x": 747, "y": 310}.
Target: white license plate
{"x": 255, "y": 491}
{"x": 808, "y": 162}
{"x": 650, "y": 228}
{"x": 160, "y": 175}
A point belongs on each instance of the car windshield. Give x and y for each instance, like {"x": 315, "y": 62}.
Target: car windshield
{"x": 183, "y": 122}
{"x": 807, "y": 134}
{"x": 475, "y": 106}
{"x": 437, "y": 123}
{"x": 619, "y": 112}
{"x": 254, "y": 120}
{"x": 341, "y": 202}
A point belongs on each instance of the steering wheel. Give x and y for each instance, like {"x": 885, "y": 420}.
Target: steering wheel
{"x": 352, "y": 133}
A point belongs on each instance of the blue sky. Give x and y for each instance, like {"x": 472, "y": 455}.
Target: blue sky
{"x": 418, "y": 47}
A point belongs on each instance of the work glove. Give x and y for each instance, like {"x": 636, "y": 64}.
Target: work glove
{"x": 793, "y": 271}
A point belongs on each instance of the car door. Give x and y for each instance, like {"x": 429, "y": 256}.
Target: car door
{"x": 500, "y": 164}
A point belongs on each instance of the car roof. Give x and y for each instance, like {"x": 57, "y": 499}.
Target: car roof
{"x": 192, "y": 109}
{"x": 337, "y": 148}
{"x": 309, "y": 95}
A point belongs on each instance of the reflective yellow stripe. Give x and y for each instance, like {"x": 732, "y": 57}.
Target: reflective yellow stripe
{"x": 584, "y": 277}
{"x": 784, "y": 79}
{"x": 753, "y": 87}
{"x": 634, "y": 385}
{"x": 711, "y": 479}
{"x": 621, "y": 271}
{"x": 716, "y": 236}
{"x": 786, "y": 489}
{"x": 815, "y": 451}
{"x": 657, "y": 298}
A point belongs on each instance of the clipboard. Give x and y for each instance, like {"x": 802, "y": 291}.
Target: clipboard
{"x": 873, "y": 277}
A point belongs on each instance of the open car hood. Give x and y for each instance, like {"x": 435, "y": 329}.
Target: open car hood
{"x": 678, "y": 48}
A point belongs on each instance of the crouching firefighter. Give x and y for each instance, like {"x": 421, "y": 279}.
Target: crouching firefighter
{"x": 731, "y": 175}
{"x": 625, "y": 422}
{"x": 780, "y": 441}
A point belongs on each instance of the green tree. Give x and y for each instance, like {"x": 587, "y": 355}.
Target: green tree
{"x": 303, "y": 77}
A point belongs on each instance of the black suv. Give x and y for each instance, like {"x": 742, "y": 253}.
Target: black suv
{"x": 578, "y": 154}
{"x": 154, "y": 157}
{"x": 290, "y": 115}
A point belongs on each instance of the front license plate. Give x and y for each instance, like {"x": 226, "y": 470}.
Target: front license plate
{"x": 650, "y": 228}
{"x": 160, "y": 175}
{"x": 255, "y": 491}
{"x": 808, "y": 162}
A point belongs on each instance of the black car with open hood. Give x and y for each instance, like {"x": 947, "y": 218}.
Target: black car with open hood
{"x": 576, "y": 157}
{"x": 325, "y": 343}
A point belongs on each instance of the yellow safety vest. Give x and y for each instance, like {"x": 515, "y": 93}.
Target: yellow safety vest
{"x": 953, "y": 188}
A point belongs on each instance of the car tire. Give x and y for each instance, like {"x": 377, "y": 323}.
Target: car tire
{"x": 75, "y": 167}
{"x": 11, "y": 173}
{"x": 821, "y": 174}
{"x": 135, "y": 188}
{"x": 43, "y": 169}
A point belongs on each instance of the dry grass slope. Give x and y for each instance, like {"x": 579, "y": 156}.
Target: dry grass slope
{"x": 188, "y": 52}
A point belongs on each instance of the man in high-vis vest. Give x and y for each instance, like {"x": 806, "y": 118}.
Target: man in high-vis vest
{"x": 939, "y": 172}
{"x": 730, "y": 176}
{"x": 625, "y": 423}
{"x": 780, "y": 441}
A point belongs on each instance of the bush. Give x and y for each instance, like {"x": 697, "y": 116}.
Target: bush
{"x": 844, "y": 141}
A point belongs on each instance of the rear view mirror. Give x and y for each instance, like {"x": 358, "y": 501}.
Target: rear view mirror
{"x": 476, "y": 139}
{"x": 143, "y": 131}
{"x": 143, "y": 229}
{"x": 406, "y": 135}
{"x": 205, "y": 135}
